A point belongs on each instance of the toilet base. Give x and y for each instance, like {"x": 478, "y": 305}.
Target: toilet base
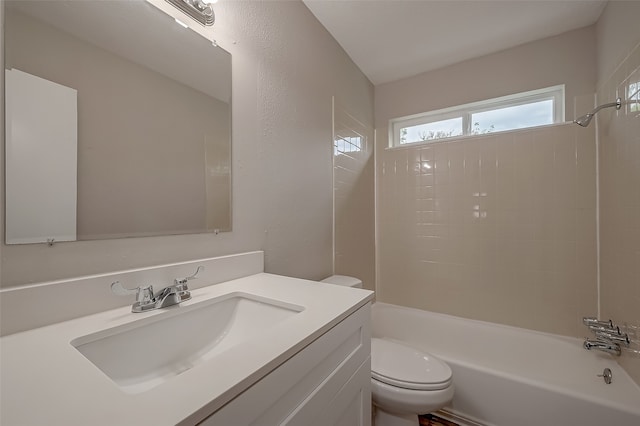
{"x": 384, "y": 418}
{"x": 399, "y": 400}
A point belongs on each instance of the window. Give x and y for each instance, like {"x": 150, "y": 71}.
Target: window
{"x": 633, "y": 95}
{"x": 522, "y": 110}
{"x": 345, "y": 144}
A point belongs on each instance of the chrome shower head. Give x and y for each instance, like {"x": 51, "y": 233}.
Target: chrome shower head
{"x": 586, "y": 119}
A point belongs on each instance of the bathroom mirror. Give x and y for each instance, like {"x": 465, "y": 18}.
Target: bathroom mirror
{"x": 148, "y": 127}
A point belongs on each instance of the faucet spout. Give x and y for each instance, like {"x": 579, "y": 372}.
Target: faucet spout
{"x": 172, "y": 295}
{"x": 601, "y": 345}
{"x": 147, "y": 300}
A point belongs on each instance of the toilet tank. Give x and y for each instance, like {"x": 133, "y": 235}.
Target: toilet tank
{"x": 343, "y": 280}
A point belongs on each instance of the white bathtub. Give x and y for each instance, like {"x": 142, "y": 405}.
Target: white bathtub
{"x": 508, "y": 376}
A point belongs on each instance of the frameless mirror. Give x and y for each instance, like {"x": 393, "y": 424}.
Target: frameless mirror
{"x": 118, "y": 123}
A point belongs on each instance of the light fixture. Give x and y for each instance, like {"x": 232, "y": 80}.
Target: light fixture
{"x": 200, "y": 10}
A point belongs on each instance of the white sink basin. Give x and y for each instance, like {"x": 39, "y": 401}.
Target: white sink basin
{"x": 143, "y": 354}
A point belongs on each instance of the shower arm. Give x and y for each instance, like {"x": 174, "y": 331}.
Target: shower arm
{"x": 586, "y": 119}
{"x": 617, "y": 104}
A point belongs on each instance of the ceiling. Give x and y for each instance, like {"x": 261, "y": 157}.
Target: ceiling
{"x": 393, "y": 39}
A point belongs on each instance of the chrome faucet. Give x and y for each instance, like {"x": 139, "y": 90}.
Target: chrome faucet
{"x": 602, "y": 345}
{"x": 147, "y": 300}
{"x": 608, "y": 339}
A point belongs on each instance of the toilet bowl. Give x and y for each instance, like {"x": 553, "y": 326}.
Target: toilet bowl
{"x": 405, "y": 381}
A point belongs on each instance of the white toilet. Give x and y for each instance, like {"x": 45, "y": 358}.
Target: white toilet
{"x": 405, "y": 381}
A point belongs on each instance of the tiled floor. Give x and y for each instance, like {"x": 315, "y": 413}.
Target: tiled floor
{"x": 433, "y": 420}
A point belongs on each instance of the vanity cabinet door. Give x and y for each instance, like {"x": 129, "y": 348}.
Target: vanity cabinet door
{"x": 352, "y": 405}
{"x": 326, "y": 383}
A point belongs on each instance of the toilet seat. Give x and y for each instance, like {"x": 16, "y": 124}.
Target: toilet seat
{"x": 408, "y": 368}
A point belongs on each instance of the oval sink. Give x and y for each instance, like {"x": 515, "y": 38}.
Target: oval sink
{"x": 143, "y": 354}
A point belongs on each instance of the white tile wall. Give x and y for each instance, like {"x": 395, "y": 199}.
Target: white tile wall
{"x": 619, "y": 144}
{"x": 498, "y": 228}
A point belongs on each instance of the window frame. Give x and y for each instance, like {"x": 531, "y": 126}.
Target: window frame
{"x": 633, "y": 95}
{"x": 466, "y": 111}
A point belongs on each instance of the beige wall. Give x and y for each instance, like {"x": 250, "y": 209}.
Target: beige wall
{"x": 501, "y": 227}
{"x": 136, "y": 171}
{"x": 286, "y": 68}
{"x": 354, "y": 199}
{"x": 567, "y": 59}
{"x": 619, "y": 152}
{"x": 617, "y": 33}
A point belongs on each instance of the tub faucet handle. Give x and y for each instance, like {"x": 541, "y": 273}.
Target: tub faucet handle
{"x": 619, "y": 338}
{"x": 593, "y": 321}
{"x": 598, "y": 328}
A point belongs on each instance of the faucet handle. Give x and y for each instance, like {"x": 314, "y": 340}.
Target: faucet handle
{"x": 593, "y": 321}
{"x": 144, "y": 294}
{"x": 605, "y": 329}
{"x": 613, "y": 337}
{"x": 183, "y": 281}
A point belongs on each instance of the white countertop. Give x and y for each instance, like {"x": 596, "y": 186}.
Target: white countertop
{"x": 44, "y": 380}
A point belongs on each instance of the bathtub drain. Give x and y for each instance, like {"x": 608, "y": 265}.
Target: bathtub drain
{"x": 606, "y": 375}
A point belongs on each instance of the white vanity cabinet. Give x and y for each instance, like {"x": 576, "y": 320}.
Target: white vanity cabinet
{"x": 282, "y": 351}
{"x": 326, "y": 383}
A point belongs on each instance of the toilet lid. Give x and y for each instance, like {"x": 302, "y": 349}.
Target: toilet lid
{"x": 405, "y": 367}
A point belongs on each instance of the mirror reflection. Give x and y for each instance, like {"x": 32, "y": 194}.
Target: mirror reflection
{"x": 117, "y": 123}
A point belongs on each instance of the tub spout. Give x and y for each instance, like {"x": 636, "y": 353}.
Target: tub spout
{"x": 601, "y": 345}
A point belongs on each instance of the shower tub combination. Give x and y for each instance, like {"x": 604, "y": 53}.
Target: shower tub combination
{"x": 508, "y": 376}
